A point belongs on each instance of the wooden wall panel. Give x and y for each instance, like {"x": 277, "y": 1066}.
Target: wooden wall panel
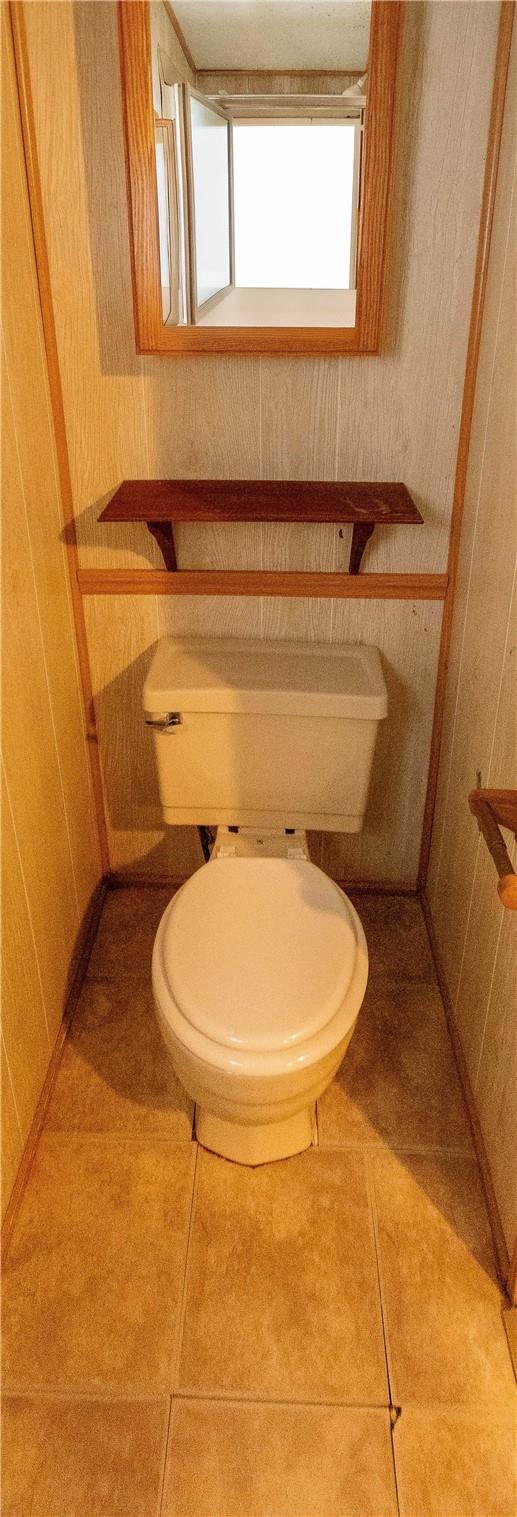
{"x": 30, "y": 747}
{"x": 299, "y": 420}
{"x": 163, "y": 36}
{"x": 205, "y": 421}
{"x": 12, "y": 1143}
{"x": 24, "y": 1016}
{"x": 119, "y": 663}
{"x": 51, "y": 850}
{"x": 387, "y": 848}
{"x": 401, "y": 413}
{"x": 485, "y": 918}
{"x": 260, "y": 82}
{"x": 496, "y": 1090}
{"x": 476, "y": 939}
{"x": 79, "y": 130}
{"x": 396, "y": 416}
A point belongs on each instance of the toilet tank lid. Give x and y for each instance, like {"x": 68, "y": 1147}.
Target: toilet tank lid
{"x": 274, "y": 678}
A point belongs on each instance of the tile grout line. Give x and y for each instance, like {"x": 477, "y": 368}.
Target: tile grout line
{"x": 163, "y": 1477}
{"x": 393, "y": 1425}
{"x": 415, "y": 1149}
{"x": 176, "y": 1355}
{"x": 98, "y": 1135}
{"x": 370, "y": 1186}
{"x": 384, "y": 1318}
{"x": 116, "y": 1397}
{"x": 95, "y": 1395}
{"x": 260, "y": 1398}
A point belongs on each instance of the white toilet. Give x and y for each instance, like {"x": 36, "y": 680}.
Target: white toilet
{"x": 260, "y": 961}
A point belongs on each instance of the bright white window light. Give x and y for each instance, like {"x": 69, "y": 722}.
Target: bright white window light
{"x": 293, "y": 199}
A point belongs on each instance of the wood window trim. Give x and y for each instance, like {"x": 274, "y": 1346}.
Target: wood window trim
{"x": 151, "y": 335}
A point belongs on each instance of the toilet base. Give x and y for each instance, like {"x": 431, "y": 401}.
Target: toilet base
{"x": 256, "y": 1145}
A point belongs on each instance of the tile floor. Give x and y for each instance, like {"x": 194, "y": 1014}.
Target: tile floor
{"x": 320, "y": 1337}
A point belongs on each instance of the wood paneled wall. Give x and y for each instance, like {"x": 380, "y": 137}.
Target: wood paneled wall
{"x": 264, "y": 81}
{"x": 476, "y": 937}
{"x": 393, "y": 417}
{"x": 51, "y": 861}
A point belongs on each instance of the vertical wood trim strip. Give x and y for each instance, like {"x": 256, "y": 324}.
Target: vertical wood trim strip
{"x": 378, "y": 153}
{"x": 56, "y": 401}
{"x": 469, "y": 391}
{"x": 139, "y": 150}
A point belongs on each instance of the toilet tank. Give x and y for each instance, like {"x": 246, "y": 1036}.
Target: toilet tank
{"x": 264, "y": 734}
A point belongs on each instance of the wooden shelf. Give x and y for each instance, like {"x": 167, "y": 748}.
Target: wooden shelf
{"x": 160, "y": 503}
{"x": 494, "y": 809}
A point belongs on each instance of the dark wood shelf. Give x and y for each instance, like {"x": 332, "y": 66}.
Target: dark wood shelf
{"x": 160, "y": 503}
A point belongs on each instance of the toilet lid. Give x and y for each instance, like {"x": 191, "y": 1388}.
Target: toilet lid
{"x": 259, "y": 953}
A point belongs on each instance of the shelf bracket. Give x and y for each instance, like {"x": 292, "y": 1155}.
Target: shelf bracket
{"x": 361, "y": 533}
{"x": 163, "y": 533}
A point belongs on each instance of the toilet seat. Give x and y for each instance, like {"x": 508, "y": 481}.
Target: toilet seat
{"x": 259, "y": 965}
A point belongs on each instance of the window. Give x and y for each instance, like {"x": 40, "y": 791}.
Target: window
{"x": 210, "y": 206}
{"x": 294, "y": 184}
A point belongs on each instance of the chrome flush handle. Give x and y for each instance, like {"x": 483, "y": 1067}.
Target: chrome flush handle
{"x": 164, "y": 721}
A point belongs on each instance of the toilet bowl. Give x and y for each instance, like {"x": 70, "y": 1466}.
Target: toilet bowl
{"x": 260, "y": 961}
{"x": 259, "y": 969}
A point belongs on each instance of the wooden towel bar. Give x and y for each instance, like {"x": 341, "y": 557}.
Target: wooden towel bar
{"x": 494, "y": 809}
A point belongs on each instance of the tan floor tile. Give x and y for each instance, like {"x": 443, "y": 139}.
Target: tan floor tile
{"x": 82, "y": 1458}
{"x": 398, "y": 1083}
{"x": 232, "y": 1460}
{"x": 93, "y": 1282}
{"x": 282, "y": 1291}
{"x": 446, "y": 1340}
{"x": 127, "y": 929}
{"x": 398, "y": 945}
{"x": 116, "y": 1074}
{"x": 456, "y": 1462}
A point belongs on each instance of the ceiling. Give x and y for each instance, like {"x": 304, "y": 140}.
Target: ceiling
{"x": 276, "y": 34}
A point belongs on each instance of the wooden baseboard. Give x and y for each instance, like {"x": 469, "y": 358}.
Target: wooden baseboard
{"x": 121, "y": 879}
{"x": 377, "y": 887}
{"x": 500, "y": 1248}
{"x": 78, "y": 972}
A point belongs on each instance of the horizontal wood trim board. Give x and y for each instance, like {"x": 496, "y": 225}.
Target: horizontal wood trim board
{"x": 294, "y": 584}
{"x": 284, "y": 73}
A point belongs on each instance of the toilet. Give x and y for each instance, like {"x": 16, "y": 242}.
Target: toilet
{"x": 260, "y": 961}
